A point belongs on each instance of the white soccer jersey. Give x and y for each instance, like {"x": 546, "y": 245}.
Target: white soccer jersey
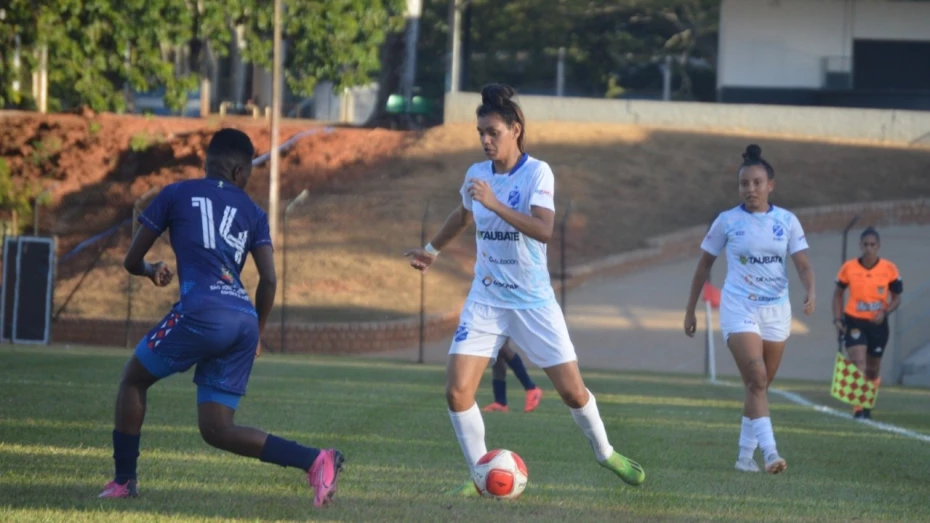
{"x": 511, "y": 270}
{"x": 758, "y": 246}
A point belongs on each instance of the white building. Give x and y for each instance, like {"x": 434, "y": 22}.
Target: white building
{"x": 856, "y": 53}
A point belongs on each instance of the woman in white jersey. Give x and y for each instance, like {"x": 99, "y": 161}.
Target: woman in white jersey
{"x": 755, "y": 313}
{"x": 510, "y": 199}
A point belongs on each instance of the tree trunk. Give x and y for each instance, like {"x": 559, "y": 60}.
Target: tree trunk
{"x": 392, "y": 64}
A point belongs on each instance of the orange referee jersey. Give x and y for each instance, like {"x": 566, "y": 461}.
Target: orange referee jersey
{"x": 869, "y": 289}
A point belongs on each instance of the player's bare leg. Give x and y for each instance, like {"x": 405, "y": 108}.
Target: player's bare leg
{"x": 463, "y": 376}
{"x": 757, "y": 361}
{"x": 568, "y": 382}
{"x": 218, "y": 429}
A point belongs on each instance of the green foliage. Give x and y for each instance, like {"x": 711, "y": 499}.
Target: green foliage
{"x": 16, "y": 197}
{"x": 518, "y": 41}
{"x": 98, "y": 49}
{"x": 335, "y": 40}
{"x": 140, "y": 142}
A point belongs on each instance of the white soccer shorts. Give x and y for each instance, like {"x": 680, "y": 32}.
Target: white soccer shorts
{"x": 770, "y": 322}
{"x": 540, "y": 332}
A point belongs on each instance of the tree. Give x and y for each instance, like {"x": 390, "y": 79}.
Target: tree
{"x": 336, "y": 40}
{"x": 15, "y": 20}
{"x": 98, "y": 48}
{"x": 611, "y": 45}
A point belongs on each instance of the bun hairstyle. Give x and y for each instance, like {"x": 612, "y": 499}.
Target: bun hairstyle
{"x": 498, "y": 99}
{"x": 870, "y": 231}
{"x": 753, "y": 156}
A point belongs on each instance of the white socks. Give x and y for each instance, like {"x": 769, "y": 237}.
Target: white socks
{"x": 589, "y": 419}
{"x": 469, "y": 429}
{"x": 762, "y": 427}
{"x": 747, "y": 440}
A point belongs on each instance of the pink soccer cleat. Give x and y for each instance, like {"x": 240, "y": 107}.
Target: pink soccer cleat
{"x": 324, "y": 476}
{"x": 532, "y": 399}
{"x": 115, "y": 490}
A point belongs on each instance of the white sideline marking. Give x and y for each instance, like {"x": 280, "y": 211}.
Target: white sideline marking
{"x": 804, "y": 402}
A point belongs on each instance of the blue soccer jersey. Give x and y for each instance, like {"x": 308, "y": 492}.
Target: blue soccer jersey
{"x": 213, "y": 226}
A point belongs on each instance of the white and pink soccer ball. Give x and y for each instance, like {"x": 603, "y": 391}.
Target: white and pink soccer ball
{"x": 500, "y": 474}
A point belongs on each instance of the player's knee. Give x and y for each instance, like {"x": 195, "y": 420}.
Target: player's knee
{"x": 757, "y": 382}
{"x": 458, "y": 398}
{"x": 575, "y": 397}
{"x": 214, "y": 434}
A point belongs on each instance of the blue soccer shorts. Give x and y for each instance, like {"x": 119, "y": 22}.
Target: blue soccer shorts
{"x": 221, "y": 342}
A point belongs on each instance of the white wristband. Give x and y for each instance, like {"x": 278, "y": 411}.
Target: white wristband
{"x": 430, "y": 249}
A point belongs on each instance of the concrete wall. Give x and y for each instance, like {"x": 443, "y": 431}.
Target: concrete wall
{"x": 782, "y": 43}
{"x": 892, "y": 126}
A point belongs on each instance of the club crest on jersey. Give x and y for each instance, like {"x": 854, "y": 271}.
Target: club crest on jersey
{"x": 778, "y": 231}
{"x": 227, "y": 276}
{"x": 881, "y": 290}
{"x": 513, "y": 199}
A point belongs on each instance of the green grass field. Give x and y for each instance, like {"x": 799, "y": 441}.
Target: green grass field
{"x": 390, "y": 420}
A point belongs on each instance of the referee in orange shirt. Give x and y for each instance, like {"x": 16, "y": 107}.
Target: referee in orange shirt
{"x": 875, "y": 287}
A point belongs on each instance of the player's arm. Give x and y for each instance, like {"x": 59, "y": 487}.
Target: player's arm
{"x": 838, "y": 293}
{"x": 267, "y": 283}
{"x": 895, "y": 288}
{"x": 842, "y": 282}
{"x": 806, "y": 273}
{"x": 701, "y": 273}
{"x": 455, "y": 224}
{"x": 538, "y": 225}
{"x": 135, "y": 263}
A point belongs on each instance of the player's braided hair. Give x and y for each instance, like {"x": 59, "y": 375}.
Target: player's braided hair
{"x": 753, "y": 156}
{"x": 498, "y": 99}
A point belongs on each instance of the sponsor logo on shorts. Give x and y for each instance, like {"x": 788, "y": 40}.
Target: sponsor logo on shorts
{"x": 499, "y": 236}
{"x": 760, "y": 260}
{"x": 739, "y": 233}
{"x": 855, "y": 334}
{"x": 878, "y": 350}
{"x": 762, "y": 299}
{"x": 461, "y": 333}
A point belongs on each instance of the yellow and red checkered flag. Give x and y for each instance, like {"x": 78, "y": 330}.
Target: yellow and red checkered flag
{"x": 850, "y": 386}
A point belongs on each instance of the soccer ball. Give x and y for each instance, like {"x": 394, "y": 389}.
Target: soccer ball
{"x": 500, "y": 474}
